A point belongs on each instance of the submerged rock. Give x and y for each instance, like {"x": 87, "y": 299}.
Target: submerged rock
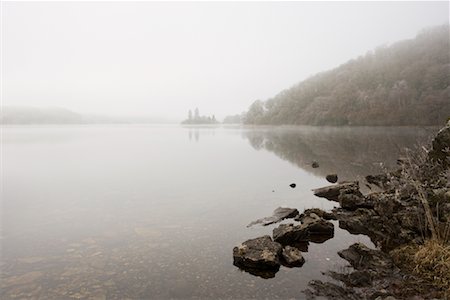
{"x": 278, "y": 215}
{"x": 315, "y": 164}
{"x": 261, "y": 253}
{"x": 332, "y": 192}
{"x": 292, "y": 257}
{"x": 332, "y": 178}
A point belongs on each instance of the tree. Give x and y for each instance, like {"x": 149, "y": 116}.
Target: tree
{"x": 197, "y": 114}
{"x": 190, "y": 115}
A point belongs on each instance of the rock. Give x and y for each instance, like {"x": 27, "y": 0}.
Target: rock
{"x": 261, "y": 253}
{"x": 313, "y": 228}
{"x": 351, "y": 200}
{"x": 292, "y": 185}
{"x": 333, "y": 178}
{"x": 278, "y": 215}
{"x": 329, "y": 290}
{"x": 354, "y": 279}
{"x": 292, "y": 257}
{"x": 440, "y": 146}
{"x": 315, "y": 164}
{"x": 379, "y": 180}
{"x": 363, "y": 258}
{"x": 318, "y": 226}
{"x": 321, "y": 213}
{"x": 332, "y": 192}
{"x": 290, "y": 233}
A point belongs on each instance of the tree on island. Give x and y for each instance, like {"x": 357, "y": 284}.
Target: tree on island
{"x": 198, "y": 119}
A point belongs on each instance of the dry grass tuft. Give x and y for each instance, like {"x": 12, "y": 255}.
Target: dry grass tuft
{"x": 429, "y": 262}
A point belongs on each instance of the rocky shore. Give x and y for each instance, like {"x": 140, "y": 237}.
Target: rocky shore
{"x": 407, "y": 206}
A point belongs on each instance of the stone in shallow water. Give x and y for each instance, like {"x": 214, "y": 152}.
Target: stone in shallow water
{"x": 287, "y": 234}
{"x": 261, "y": 253}
{"x": 292, "y": 257}
{"x": 278, "y": 215}
{"x": 332, "y": 192}
{"x": 332, "y": 178}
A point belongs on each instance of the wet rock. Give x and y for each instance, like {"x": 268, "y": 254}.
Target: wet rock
{"x": 317, "y": 226}
{"x": 379, "y": 180}
{"x": 440, "y": 146}
{"x": 332, "y": 192}
{"x": 364, "y": 258}
{"x": 321, "y": 213}
{"x": 289, "y": 233}
{"x": 292, "y": 185}
{"x": 315, "y": 164}
{"x": 351, "y": 199}
{"x": 261, "y": 253}
{"x": 332, "y": 178}
{"x": 329, "y": 291}
{"x": 278, "y": 215}
{"x": 354, "y": 279}
{"x": 313, "y": 228}
{"x": 292, "y": 257}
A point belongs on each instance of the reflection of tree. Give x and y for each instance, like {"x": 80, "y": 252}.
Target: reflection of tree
{"x": 349, "y": 152}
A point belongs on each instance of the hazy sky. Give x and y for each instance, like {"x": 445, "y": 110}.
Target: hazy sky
{"x": 149, "y": 58}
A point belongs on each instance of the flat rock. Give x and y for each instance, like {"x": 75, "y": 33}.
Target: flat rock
{"x": 332, "y": 192}
{"x": 278, "y": 215}
{"x": 292, "y": 257}
{"x": 261, "y": 253}
{"x": 321, "y": 213}
{"x": 290, "y": 233}
{"x": 363, "y": 258}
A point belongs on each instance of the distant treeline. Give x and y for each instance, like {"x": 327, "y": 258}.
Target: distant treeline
{"x": 407, "y": 83}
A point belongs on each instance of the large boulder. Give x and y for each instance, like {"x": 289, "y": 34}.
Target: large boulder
{"x": 261, "y": 253}
{"x": 332, "y": 192}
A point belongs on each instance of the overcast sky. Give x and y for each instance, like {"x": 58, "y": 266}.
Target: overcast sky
{"x": 147, "y": 58}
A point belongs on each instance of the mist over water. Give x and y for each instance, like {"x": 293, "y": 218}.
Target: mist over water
{"x": 120, "y": 212}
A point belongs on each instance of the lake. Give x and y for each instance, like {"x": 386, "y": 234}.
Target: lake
{"x": 154, "y": 211}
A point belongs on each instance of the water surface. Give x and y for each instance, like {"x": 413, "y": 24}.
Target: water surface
{"x": 139, "y": 212}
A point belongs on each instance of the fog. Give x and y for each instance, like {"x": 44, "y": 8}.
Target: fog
{"x": 162, "y": 59}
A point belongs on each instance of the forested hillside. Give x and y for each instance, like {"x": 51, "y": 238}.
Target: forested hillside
{"x": 407, "y": 83}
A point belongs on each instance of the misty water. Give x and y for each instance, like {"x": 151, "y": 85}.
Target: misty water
{"x": 146, "y": 211}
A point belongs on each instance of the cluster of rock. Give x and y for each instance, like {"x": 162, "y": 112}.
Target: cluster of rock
{"x": 391, "y": 216}
{"x": 263, "y": 256}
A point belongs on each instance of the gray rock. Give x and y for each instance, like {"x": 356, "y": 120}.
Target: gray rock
{"x": 332, "y": 178}
{"x": 278, "y": 215}
{"x": 315, "y": 164}
{"x": 290, "y": 233}
{"x": 332, "y": 192}
{"x": 363, "y": 258}
{"x": 292, "y": 257}
{"x": 261, "y": 253}
{"x": 321, "y": 213}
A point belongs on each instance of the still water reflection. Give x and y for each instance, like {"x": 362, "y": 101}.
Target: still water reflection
{"x": 143, "y": 212}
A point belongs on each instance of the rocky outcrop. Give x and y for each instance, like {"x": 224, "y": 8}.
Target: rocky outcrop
{"x": 332, "y": 192}
{"x": 261, "y": 254}
{"x": 278, "y": 215}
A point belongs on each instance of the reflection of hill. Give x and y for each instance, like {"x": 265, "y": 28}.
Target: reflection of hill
{"x": 349, "y": 152}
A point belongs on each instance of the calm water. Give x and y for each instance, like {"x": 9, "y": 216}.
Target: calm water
{"x": 138, "y": 212}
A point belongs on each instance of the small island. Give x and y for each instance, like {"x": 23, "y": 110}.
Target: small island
{"x": 197, "y": 119}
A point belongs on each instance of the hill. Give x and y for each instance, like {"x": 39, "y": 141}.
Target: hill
{"x": 407, "y": 83}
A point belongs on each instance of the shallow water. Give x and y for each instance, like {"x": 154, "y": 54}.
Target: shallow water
{"x": 139, "y": 212}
